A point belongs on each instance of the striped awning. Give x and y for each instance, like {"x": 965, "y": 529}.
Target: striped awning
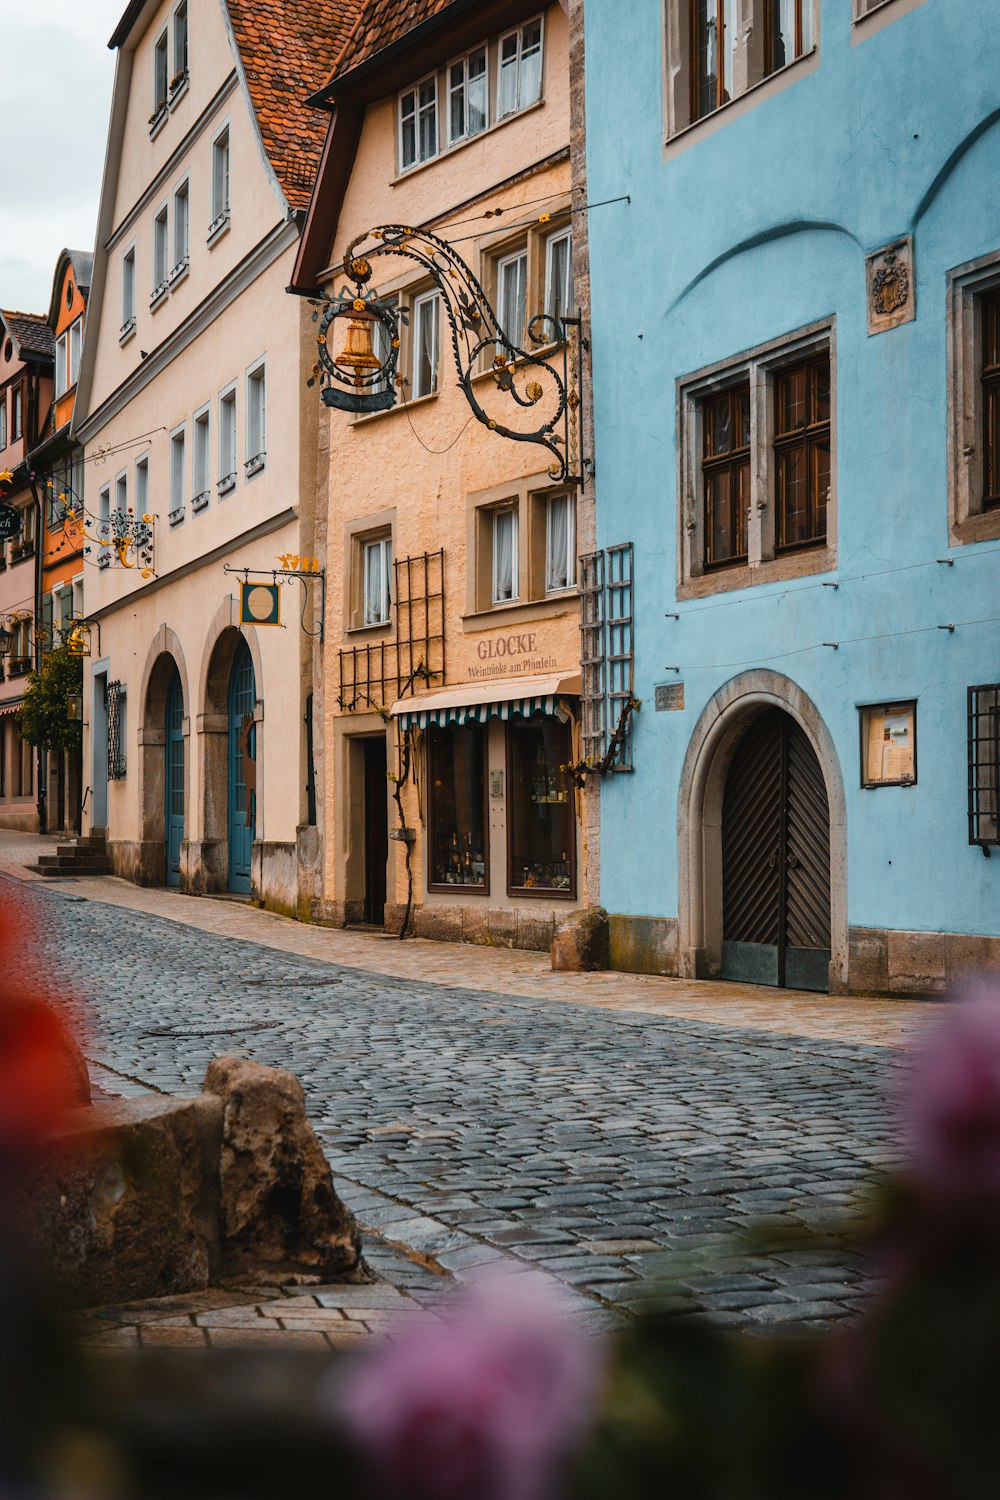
{"x": 476, "y": 702}
{"x": 6, "y": 709}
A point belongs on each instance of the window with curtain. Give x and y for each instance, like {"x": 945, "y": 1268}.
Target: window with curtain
{"x": 560, "y": 543}
{"x": 459, "y": 852}
{"x": 376, "y": 568}
{"x": 540, "y": 809}
{"x": 418, "y": 129}
{"x": 426, "y": 325}
{"x": 520, "y": 69}
{"x": 512, "y": 295}
{"x": 559, "y": 275}
{"x": 467, "y": 97}
{"x": 504, "y": 555}
{"x": 16, "y": 413}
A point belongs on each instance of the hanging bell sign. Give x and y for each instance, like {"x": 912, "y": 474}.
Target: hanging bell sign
{"x": 353, "y": 375}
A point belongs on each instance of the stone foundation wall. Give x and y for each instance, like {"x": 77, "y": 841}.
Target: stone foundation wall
{"x": 495, "y": 927}
{"x": 643, "y": 945}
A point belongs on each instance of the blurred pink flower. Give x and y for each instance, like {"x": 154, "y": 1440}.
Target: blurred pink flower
{"x": 951, "y": 1103}
{"x": 483, "y": 1405}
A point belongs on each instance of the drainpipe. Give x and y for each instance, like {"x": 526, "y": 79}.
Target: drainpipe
{"x": 42, "y": 760}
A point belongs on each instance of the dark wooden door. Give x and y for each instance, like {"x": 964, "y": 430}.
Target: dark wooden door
{"x": 174, "y": 779}
{"x": 776, "y": 859}
{"x": 242, "y": 769}
{"x": 376, "y": 830}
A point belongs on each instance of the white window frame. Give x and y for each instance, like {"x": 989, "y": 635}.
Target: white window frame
{"x": 450, "y": 89}
{"x": 516, "y": 336}
{"x": 128, "y": 285}
{"x": 518, "y": 31}
{"x": 75, "y": 332}
{"x": 161, "y": 254}
{"x": 377, "y": 611}
{"x": 227, "y": 475}
{"x": 177, "y": 473}
{"x": 3, "y": 420}
{"x": 121, "y": 493}
{"x": 62, "y": 365}
{"x": 562, "y": 236}
{"x": 104, "y": 526}
{"x": 181, "y": 66}
{"x": 78, "y": 597}
{"x": 182, "y": 218}
{"x": 141, "y": 485}
{"x": 420, "y": 303}
{"x": 221, "y": 193}
{"x": 17, "y": 413}
{"x": 569, "y": 560}
{"x": 256, "y": 381}
{"x": 201, "y": 457}
{"x": 514, "y": 512}
{"x": 161, "y": 49}
{"x": 418, "y": 110}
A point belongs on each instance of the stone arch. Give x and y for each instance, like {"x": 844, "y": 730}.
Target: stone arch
{"x": 211, "y": 867}
{"x": 699, "y": 816}
{"x": 165, "y": 656}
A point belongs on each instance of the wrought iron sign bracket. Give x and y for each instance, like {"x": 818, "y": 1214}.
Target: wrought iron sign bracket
{"x": 285, "y": 574}
{"x": 545, "y": 381}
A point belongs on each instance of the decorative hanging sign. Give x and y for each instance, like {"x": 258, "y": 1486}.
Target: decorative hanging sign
{"x": 11, "y": 521}
{"x": 124, "y": 541}
{"x": 260, "y": 604}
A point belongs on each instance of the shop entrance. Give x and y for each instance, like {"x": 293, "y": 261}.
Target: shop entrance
{"x": 776, "y": 859}
{"x": 242, "y": 798}
{"x": 376, "y": 828}
{"x": 174, "y": 779}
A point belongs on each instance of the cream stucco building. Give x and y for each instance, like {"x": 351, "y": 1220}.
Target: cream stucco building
{"x": 194, "y": 414}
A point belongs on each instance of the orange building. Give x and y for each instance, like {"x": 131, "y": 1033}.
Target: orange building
{"x": 57, "y": 468}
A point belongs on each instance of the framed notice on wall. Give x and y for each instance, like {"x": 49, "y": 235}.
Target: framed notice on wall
{"x": 889, "y": 744}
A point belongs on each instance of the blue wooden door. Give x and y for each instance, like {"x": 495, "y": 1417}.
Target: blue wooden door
{"x": 174, "y": 778}
{"x": 242, "y": 769}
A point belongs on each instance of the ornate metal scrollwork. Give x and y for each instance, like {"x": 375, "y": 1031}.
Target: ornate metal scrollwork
{"x": 360, "y": 379}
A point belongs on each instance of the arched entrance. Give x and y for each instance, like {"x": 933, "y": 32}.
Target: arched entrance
{"x": 776, "y": 859}
{"x": 242, "y": 795}
{"x": 174, "y": 779}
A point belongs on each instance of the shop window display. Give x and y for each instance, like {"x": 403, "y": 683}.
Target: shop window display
{"x": 458, "y": 806}
{"x": 540, "y": 807}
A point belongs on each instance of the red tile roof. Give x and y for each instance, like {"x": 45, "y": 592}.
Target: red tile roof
{"x": 288, "y": 49}
{"x": 31, "y": 332}
{"x": 381, "y": 23}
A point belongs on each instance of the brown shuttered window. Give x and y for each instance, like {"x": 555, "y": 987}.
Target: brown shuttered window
{"x": 725, "y": 471}
{"x": 991, "y": 399}
{"x": 802, "y": 453}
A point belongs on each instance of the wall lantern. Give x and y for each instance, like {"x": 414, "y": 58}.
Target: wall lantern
{"x": 358, "y": 341}
{"x": 6, "y": 640}
{"x": 74, "y": 707}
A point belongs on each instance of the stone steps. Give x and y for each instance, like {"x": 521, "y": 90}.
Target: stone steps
{"x": 84, "y": 856}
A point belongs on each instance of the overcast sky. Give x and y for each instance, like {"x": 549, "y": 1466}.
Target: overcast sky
{"x": 54, "y": 106}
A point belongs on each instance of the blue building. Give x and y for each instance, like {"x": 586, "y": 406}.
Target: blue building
{"x": 796, "y": 345}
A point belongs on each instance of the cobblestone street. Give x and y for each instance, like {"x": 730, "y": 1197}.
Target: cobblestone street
{"x": 606, "y": 1145}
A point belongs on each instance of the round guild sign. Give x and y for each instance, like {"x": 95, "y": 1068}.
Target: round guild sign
{"x": 11, "y": 521}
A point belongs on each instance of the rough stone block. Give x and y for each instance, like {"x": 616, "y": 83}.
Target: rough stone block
{"x": 643, "y": 945}
{"x": 916, "y": 963}
{"x": 475, "y": 924}
{"x": 444, "y": 923}
{"x": 581, "y": 941}
{"x": 279, "y": 1209}
{"x": 867, "y": 960}
{"x": 503, "y": 927}
{"x": 535, "y": 932}
{"x": 969, "y": 958}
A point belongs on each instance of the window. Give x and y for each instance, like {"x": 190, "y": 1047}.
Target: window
{"x": 512, "y": 296}
{"x": 3, "y": 420}
{"x": 520, "y": 69}
{"x": 973, "y": 312}
{"x": 75, "y": 350}
{"x": 459, "y": 843}
{"x": 718, "y": 50}
{"x": 47, "y": 638}
{"x": 142, "y": 486}
{"x": 725, "y": 468}
{"x": 160, "y": 264}
{"x": 121, "y": 495}
{"x": 426, "y": 325}
{"x": 560, "y": 543}
{"x": 180, "y": 46}
{"x": 504, "y": 555}
{"x": 16, "y": 413}
{"x": 889, "y": 744}
{"x": 28, "y": 530}
{"x": 418, "y": 130}
{"x": 256, "y": 434}
{"x": 181, "y": 231}
{"x": 468, "y": 101}
{"x": 984, "y": 765}
{"x": 104, "y": 527}
{"x": 757, "y": 474}
{"x": 128, "y": 292}
{"x": 161, "y": 71}
{"x": 220, "y": 182}
{"x": 990, "y": 382}
{"x": 540, "y": 808}
{"x": 200, "y": 488}
{"x": 177, "y": 466}
{"x": 802, "y": 453}
{"x": 227, "y": 441}
{"x": 376, "y": 566}
{"x": 559, "y": 275}
{"x": 61, "y": 369}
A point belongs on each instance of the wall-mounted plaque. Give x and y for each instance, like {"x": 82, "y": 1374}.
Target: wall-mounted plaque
{"x": 892, "y": 291}
{"x": 889, "y": 744}
{"x": 669, "y": 697}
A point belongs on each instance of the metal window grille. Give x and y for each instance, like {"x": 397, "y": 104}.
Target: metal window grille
{"x": 984, "y": 765}
{"x": 606, "y": 650}
{"x": 115, "y": 703}
{"x": 373, "y": 675}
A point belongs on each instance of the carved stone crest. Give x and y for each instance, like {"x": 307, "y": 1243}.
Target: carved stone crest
{"x": 891, "y": 292}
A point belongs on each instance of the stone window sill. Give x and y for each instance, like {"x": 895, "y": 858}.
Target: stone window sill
{"x": 800, "y": 564}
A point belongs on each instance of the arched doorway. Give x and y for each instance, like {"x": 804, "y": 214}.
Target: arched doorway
{"x": 242, "y": 795}
{"x": 174, "y": 779}
{"x": 776, "y": 925}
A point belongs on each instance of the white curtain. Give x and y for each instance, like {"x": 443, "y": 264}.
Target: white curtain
{"x": 561, "y": 544}
{"x": 504, "y": 556}
{"x": 374, "y": 587}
